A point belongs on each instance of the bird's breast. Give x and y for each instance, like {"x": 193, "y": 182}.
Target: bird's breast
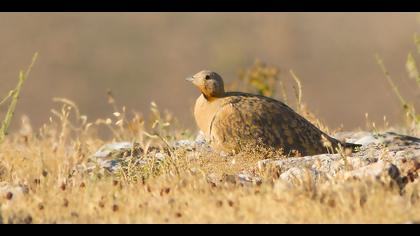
{"x": 204, "y": 111}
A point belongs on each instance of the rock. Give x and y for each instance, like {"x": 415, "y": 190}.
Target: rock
{"x": 114, "y": 155}
{"x": 187, "y": 144}
{"x": 298, "y": 174}
{"x": 363, "y": 137}
{"x": 160, "y": 156}
{"x": 199, "y": 144}
{"x": 366, "y": 140}
{"x": 387, "y": 138}
{"x": 246, "y": 178}
{"x": 328, "y": 164}
{"x": 111, "y": 156}
{"x": 108, "y": 149}
{"x": 392, "y": 138}
{"x": 382, "y": 155}
{"x": 200, "y": 139}
{"x": 375, "y": 170}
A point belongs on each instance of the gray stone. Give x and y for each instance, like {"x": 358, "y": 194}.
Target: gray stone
{"x": 298, "y": 174}
{"x": 361, "y": 137}
{"x": 246, "y": 178}
{"x": 107, "y": 149}
{"x": 366, "y": 140}
{"x": 382, "y": 154}
{"x": 374, "y": 170}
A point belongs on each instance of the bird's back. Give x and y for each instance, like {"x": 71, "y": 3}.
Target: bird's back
{"x": 243, "y": 118}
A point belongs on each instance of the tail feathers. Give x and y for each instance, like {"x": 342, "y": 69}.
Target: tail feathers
{"x": 347, "y": 146}
{"x": 353, "y": 146}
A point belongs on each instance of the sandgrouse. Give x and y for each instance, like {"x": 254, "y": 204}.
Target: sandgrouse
{"x": 230, "y": 120}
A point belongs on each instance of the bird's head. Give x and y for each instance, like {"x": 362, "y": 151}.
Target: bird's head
{"x": 210, "y": 84}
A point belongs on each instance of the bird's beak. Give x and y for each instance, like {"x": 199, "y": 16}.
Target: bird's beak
{"x": 191, "y": 79}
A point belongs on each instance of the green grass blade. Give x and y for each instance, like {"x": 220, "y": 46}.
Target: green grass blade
{"x": 15, "y": 97}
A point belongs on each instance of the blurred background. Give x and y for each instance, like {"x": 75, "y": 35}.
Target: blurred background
{"x": 144, "y": 57}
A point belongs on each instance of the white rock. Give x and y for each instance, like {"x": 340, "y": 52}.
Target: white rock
{"x": 199, "y": 143}
{"x": 299, "y": 174}
{"x": 351, "y": 137}
{"x": 200, "y": 139}
{"x": 366, "y": 140}
{"x": 247, "y": 178}
{"x": 160, "y": 156}
{"x": 184, "y": 144}
{"x": 374, "y": 170}
{"x": 107, "y": 149}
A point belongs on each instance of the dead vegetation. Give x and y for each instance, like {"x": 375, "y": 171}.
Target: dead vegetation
{"x": 39, "y": 181}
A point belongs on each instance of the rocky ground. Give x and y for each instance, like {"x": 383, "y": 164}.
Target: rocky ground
{"x": 382, "y": 155}
{"x": 387, "y": 157}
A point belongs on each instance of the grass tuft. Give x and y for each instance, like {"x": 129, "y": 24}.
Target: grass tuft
{"x": 180, "y": 185}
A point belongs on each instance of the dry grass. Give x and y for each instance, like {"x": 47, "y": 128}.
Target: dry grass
{"x": 185, "y": 196}
{"x": 188, "y": 187}
{"x": 176, "y": 191}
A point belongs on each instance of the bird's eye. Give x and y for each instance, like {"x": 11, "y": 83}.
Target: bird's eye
{"x": 207, "y": 77}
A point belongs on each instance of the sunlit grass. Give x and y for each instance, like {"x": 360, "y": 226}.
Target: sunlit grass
{"x": 189, "y": 186}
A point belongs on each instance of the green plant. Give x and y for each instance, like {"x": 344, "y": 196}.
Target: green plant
{"x": 261, "y": 78}
{"x": 14, "y": 95}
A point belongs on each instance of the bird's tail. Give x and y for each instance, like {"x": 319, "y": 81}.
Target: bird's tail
{"x": 353, "y": 146}
{"x": 337, "y": 144}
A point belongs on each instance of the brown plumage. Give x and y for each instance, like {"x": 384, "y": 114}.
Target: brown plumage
{"x": 230, "y": 120}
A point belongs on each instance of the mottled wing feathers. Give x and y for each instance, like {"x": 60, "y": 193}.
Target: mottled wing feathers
{"x": 244, "y": 118}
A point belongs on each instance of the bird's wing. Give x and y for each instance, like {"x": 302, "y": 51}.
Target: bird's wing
{"x": 267, "y": 121}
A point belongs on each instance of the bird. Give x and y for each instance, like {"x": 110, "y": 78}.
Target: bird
{"x": 232, "y": 120}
